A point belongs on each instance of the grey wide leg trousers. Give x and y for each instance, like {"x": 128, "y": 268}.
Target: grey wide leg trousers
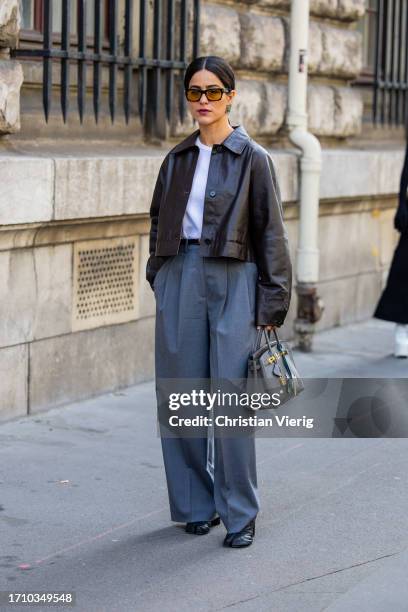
{"x": 205, "y": 328}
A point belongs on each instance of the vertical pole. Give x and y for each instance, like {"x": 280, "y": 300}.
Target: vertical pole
{"x": 182, "y": 51}
{"x": 97, "y": 62}
{"x": 127, "y": 71}
{"x": 65, "y": 33}
{"x": 113, "y": 49}
{"x": 47, "y": 46}
{"x": 81, "y": 93}
{"x": 309, "y": 305}
{"x": 142, "y": 72}
{"x": 170, "y": 56}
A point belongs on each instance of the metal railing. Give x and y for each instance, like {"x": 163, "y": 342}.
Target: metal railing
{"x": 152, "y": 74}
{"x": 390, "y": 101}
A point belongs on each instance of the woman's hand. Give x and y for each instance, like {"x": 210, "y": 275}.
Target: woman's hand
{"x": 267, "y": 327}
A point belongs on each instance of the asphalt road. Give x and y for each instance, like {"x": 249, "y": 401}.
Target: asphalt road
{"x": 84, "y": 509}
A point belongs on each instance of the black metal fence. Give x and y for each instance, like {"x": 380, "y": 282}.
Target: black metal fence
{"x": 390, "y": 103}
{"x": 152, "y": 74}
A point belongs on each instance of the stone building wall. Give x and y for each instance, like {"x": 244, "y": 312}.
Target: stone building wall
{"x": 11, "y": 74}
{"x": 77, "y": 316}
{"x": 253, "y": 37}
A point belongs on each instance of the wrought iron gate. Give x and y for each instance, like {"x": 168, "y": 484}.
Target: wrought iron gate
{"x": 153, "y": 74}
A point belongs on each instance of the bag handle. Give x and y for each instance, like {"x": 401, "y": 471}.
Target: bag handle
{"x": 268, "y": 340}
{"x": 285, "y": 363}
{"x": 279, "y": 347}
{"x": 277, "y": 340}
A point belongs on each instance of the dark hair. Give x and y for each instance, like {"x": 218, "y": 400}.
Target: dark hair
{"x": 214, "y": 64}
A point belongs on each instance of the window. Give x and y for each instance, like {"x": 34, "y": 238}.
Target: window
{"x": 139, "y": 52}
{"x": 33, "y": 11}
{"x": 30, "y": 15}
{"x": 385, "y": 70}
{"x": 367, "y": 26}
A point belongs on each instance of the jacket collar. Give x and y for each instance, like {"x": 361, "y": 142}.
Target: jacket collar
{"x": 235, "y": 141}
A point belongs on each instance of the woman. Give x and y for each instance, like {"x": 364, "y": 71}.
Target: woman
{"x": 393, "y": 304}
{"x": 220, "y": 269}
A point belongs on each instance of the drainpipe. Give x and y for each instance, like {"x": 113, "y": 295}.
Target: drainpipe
{"x": 309, "y": 305}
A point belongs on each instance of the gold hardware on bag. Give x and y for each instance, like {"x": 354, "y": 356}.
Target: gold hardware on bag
{"x": 274, "y": 358}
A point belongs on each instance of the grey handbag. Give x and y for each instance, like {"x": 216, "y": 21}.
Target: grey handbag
{"x": 271, "y": 369}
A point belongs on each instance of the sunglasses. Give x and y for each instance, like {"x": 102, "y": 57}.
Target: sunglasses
{"x": 213, "y": 94}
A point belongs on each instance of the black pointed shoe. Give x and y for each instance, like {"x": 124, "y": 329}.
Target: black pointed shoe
{"x": 242, "y": 538}
{"x": 202, "y": 527}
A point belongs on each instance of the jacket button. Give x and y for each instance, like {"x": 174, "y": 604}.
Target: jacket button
{"x": 207, "y": 241}
{"x": 212, "y": 193}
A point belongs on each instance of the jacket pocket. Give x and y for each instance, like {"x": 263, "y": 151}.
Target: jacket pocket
{"x": 159, "y": 273}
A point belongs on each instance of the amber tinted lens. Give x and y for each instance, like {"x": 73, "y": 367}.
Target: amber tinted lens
{"x": 214, "y": 94}
{"x": 194, "y": 95}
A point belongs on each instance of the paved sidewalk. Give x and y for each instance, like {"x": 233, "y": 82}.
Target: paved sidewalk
{"x": 84, "y": 508}
{"x": 361, "y": 350}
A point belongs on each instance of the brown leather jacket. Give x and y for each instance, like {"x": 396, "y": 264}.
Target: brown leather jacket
{"x": 242, "y": 217}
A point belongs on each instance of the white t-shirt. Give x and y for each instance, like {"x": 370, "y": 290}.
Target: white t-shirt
{"x": 193, "y": 217}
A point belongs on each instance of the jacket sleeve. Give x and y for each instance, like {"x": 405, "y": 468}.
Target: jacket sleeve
{"x": 154, "y": 262}
{"x": 401, "y": 215}
{"x": 270, "y": 241}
